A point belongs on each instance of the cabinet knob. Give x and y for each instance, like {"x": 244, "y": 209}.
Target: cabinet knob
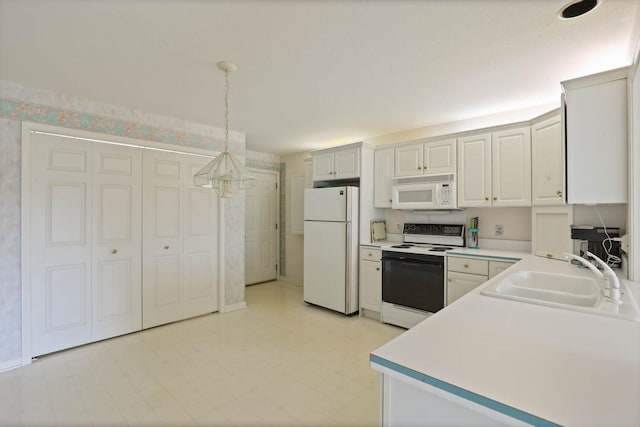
{"x": 450, "y": 280}
{"x": 377, "y": 268}
{"x": 466, "y": 266}
{"x": 559, "y": 193}
{"x": 166, "y": 247}
{"x": 419, "y": 167}
{"x": 114, "y": 251}
{"x": 486, "y": 198}
{"x": 495, "y": 198}
{"x": 370, "y": 254}
{"x": 390, "y": 201}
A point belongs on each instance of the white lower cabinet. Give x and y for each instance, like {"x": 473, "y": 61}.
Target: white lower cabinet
{"x": 370, "y": 279}
{"x": 459, "y": 284}
{"x": 407, "y": 401}
{"x": 464, "y": 274}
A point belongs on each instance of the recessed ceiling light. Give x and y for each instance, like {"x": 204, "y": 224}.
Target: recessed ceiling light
{"x": 577, "y": 8}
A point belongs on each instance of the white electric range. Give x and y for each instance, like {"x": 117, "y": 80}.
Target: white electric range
{"x": 413, "y": 272}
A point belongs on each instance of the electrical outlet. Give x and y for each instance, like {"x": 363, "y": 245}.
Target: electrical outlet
{"x": 398, "y": 227}
{"x": 499, "y": 229}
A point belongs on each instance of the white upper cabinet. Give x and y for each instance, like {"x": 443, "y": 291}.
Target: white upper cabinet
{"x": 323, "y": 166}
{"x": 474, "y": 170}
{"x": 511, "y": 167}
{"x": 439, "y": 157}
{"x": 429, "y": 158}
{"x": 336, "y": 164}
{"x": 596, "y": 125}
{"x": 547, "y": 163}
{"x": 408, "y": 160}
{"x": 383, "y": 177}
{"x": 495, "y": 169}
{"x": 308, "y": 173}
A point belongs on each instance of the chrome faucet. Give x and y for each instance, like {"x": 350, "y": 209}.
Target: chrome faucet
{"x": 608, "y": 275}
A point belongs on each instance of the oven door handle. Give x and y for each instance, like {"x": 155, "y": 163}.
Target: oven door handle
{"x": 414, "y": 260}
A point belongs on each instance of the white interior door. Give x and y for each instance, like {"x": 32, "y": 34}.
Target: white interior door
{"x": 180, "y": 230}
{"x": 200, "y": 243}
{"x": 60, "y": 243}
{"x": 162, "y": 231}
{"x": 117, "y": 240}
{"x": 260, "y": 229}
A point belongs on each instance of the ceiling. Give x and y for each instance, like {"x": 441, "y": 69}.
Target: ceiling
{"x": 313, "y": 74}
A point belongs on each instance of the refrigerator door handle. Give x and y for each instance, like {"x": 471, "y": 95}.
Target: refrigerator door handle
{"x": 347, "y": 288}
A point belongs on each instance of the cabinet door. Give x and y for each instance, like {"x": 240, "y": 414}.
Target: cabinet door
{"x": 459, "y": 284}
{"x": 439, "y": 157}
{"x": 547, "y": 163}
{"x": 322, "y": 166}
{"x": 383, "y": 177}
{"x": 346, "y": 163}
{"x": 408, "y": 160}
{"x": 511, "y": 167}
{"x": 308, "y": 173}
{"x": 497, "y": 267}
{"x": 370, "y": 285}
{"x": 551, "y": 231}
{"x": 596, "y": 120}
{"x": 474, "y": 171}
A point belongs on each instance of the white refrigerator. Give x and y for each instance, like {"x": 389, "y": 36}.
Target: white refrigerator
{"x": 331, "y": 248}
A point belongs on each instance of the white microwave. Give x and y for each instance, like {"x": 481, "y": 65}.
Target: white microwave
{"x": 425, "y": 193}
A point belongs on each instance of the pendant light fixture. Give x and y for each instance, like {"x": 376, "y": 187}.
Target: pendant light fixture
{"x": 225, "y": 173}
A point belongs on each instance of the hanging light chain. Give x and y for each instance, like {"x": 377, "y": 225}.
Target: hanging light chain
{"x": 226, "y": 110}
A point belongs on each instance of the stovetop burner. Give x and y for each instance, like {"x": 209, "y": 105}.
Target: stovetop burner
{"x": 440, "y": 249}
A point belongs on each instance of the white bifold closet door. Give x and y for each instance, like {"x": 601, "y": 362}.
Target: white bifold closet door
{"x": 180, "y": 239}
{"x": 84, "y": 241}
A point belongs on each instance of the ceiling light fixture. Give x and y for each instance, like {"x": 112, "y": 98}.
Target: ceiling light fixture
{"x": 225, "y": 172}
{"x": 577, "y": 8}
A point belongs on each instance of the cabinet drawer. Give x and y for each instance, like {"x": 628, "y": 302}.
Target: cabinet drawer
{"x": 468, "y": 265}
{"x": 368, "y": 254}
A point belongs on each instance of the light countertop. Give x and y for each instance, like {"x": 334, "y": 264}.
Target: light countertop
{"x": 563, "y": 366}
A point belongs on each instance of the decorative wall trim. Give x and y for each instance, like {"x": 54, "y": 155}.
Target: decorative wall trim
{"x": 264, "y": 161}
{"x": 39, "y": 113}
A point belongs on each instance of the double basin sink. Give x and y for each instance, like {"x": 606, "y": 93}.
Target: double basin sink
{"x": 577, "y": 293}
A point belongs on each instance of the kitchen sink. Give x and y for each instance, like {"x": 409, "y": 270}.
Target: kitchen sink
{"x": 578, "y": 293}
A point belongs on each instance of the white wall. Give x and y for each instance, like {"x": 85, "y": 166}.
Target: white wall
{"x": 516, "y": 221}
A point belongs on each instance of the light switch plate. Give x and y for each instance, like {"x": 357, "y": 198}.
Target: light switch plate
{"x": 499, "y": 229}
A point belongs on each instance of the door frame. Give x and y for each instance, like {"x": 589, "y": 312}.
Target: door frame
{"x": 30, "y": 127}
{"x": 277, "y": 205}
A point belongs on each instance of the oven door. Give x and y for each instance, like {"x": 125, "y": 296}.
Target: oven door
{"x": 413, "y": 280}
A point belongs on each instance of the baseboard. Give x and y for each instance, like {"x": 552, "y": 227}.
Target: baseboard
{"x": 292, "y": 280}
{"x": 233, "y": 307}
{"x": 11, "y": 364}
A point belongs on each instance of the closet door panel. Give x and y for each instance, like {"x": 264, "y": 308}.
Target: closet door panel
{"x": 162, "y": 238}
{"x": 117, "y": 246}
{"x": 200, "y": 244}
{"x": 59, "y": 243}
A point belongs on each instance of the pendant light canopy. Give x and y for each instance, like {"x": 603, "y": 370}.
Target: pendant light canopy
{"x": 225, "y": 173}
